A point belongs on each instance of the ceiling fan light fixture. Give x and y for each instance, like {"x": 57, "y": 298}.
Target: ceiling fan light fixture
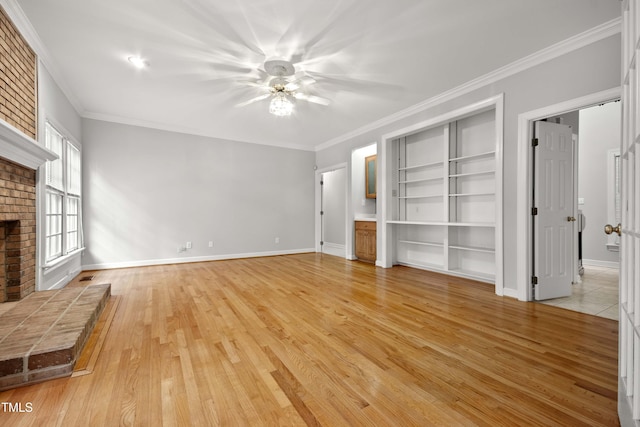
{"x": 280, "y": 105}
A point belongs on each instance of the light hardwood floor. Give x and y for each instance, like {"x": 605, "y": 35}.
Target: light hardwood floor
{"x": 316, "y": 340}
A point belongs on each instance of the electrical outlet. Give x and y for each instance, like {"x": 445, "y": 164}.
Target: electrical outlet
{"x": 210, "y": 243}
{"x": 189, "y": 246}
{"x": 277, "y": 240}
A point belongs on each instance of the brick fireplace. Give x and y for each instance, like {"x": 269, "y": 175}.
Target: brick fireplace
{"x": 20, "y": 157}
{"x": 17, "y": 231}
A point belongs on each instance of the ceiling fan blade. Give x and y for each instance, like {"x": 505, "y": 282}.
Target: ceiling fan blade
{"x": 353, "y": 84}
{"x": 312, "y": 98}
{"x": 213, "y": 18}
{"x": 232, "y": 68}
{"x": 251, "y": 101}
{"x": 300, "y": 81}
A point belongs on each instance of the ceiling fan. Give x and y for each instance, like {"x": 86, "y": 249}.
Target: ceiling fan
{"x": 283, "y": 86}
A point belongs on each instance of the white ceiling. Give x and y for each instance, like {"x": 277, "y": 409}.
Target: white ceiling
{"x": 371, "y": 58}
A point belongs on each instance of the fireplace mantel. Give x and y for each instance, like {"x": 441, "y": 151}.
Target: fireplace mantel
{"x": 18, "y": 148}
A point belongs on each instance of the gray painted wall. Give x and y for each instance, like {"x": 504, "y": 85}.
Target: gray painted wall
{"x": 147, "y": 192}
{"x": 599, "y": 133}
{"x": 587, "y": 70}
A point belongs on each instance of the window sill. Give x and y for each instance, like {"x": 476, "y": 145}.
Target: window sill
{"x": 54, "y": 264}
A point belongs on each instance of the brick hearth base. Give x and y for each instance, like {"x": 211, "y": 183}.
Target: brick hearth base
{"x": 42, "y": 335}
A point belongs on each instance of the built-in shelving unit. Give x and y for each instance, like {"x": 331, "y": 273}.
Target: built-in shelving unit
{"x": 444, "y": 196}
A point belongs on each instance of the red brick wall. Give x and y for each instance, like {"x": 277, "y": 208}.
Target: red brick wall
{"x": 18, "y": 89}
{"x": 17, "y": 79}
{"x": 17, "y": 231}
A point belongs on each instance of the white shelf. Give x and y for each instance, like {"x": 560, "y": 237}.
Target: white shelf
{"x": 472, "y": 249}
{"x": 472, "y": 194}
{"x": 424, "y": 165}
{"x": 416, "y": 181}
{"x": 473, "y": 157}
{"x": 422, "y": 265}
{"x": 421, "y": 197}
{"x": 472, "y": 224}
{"x": 461, "y": 175}
{"x": 472, "y": 274}
{"x": 413, "y": 242}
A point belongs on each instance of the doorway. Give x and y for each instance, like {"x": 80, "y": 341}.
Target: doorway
{"x": 525, "y": 251}
{"x": 592, "y": 285}
{"x": 333, "y": 196}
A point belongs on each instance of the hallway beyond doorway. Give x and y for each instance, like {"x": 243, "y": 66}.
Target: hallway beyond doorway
{"x": 597, "y": 294}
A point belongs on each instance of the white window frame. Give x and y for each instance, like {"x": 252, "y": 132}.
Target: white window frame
{"x": 613, "y": 197}
{"x": 65, "y": 223}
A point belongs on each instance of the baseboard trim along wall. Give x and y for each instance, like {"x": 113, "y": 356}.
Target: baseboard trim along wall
{"x": 151, "y": 262}
{"x": 598, "y": 263}
{"x": 334, "y": 249}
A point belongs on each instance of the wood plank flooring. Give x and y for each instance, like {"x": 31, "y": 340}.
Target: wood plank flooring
{"x": 316, "y": 340}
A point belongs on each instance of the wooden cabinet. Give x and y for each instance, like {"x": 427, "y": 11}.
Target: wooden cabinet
{"x": 365, "y": 247}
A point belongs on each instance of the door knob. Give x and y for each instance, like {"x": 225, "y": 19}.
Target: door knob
{"x": 608, "y": 229}
{"x": 571, "y": 218}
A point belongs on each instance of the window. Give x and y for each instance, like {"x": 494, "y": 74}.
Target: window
{"x": 63, "y": 223}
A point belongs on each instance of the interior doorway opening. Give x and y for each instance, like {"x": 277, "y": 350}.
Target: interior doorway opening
{"x": 595, "y": 201}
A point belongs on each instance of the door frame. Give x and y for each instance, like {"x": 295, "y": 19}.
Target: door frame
{"x": 318, "y": 204}
{"x": 524, "y": 261}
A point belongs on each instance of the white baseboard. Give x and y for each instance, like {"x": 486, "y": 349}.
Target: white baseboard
{"x": 64, "y": 280}
{"x": 151, "y": 262}
{"x": 334, "y": 249}
{"x": 508, "y": 292}
{"x": 598, "y": 263}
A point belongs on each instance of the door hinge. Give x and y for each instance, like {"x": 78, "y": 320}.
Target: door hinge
{"x": 321, "y": 182}
{"x": 534, "y": 280}
{"x": 534, "y": 211}
{"x": 321, "y": 243}
{"x": 534, "y": 142}
{"x": 321, "y": 212}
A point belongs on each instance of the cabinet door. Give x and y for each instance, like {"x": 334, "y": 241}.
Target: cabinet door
{"x": 371, "y": 245}
{"x": 361, "y": 243}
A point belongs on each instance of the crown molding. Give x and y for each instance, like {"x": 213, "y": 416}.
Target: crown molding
{"x": 564, "y": 47}
{"x": 22, "y": 23}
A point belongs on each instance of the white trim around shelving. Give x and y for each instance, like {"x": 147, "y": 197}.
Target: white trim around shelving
{"x": 386, "y": 165}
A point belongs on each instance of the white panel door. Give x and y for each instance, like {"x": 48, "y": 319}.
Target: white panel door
{"x": 554, "y": 222}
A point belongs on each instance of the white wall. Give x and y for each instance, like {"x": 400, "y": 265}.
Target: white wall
{"x": 583, "y": 71}
{"x": 599, "y": 133}
{"x": 147, "y": 192}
